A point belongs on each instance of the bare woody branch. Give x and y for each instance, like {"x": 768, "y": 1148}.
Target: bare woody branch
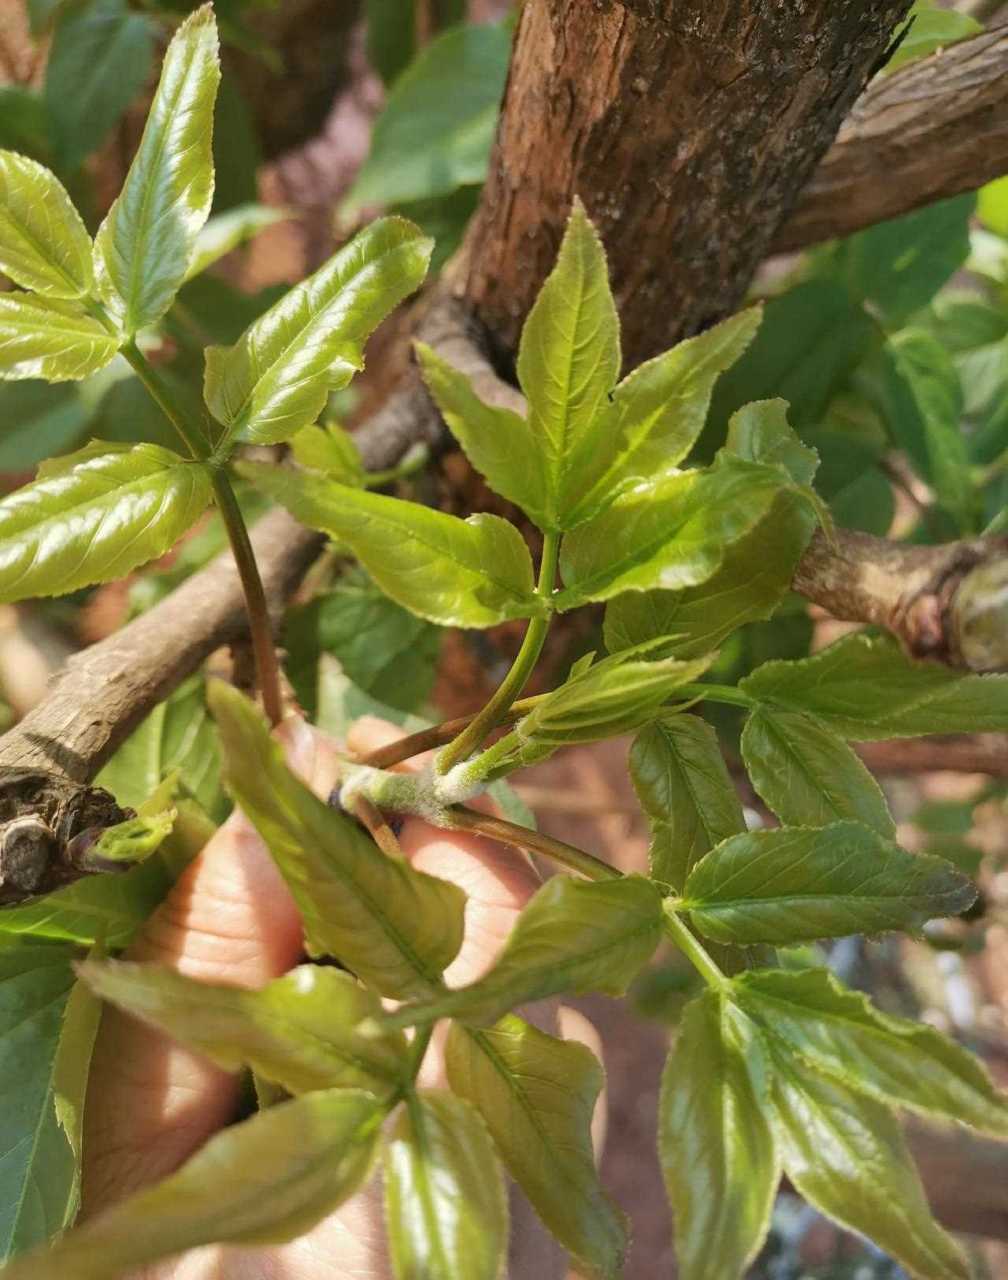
{"x": 935, "y": 129}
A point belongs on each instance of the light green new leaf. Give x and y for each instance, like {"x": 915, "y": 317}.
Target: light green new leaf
{"x": 458, "y": 573}
{"x": 866, "y": 689}
{"x": 264, "y": 1181}
{"x": 686, "y": 793}
{"x": 754, "y": 576}
{"x": 808, "y": 775}
{"x": 44, "y": 245}
{"x": 445, "y": 1204}
{"x": 654, "y": 416}
{"x": 394, "y": 927}
{"x": 760, "y": 432}
{"x": 51, "y": 339}
{"x": 37, "y": 1176}
{"x": 536, "y": 1095}
{"x": 717, "y": 1148}
{"x": 330, "y": 450}
{"x": 428, "y": 142}
{"x": 848, "y": 1158}
{"x": 574, "y": 936}
{"x": 499, "y": 443}
{"x": 568, "y": 362}
{"x": 278, "y": 375}
{"x": 299, "y": 1031}
{"x": 797, "y": 884}
{"x": 929, "y": 28}
{"x": 144, "y": 246}
{"x": 99, "y": 60}
{"x": 71, "y": 1069}
{"x": 228, "y": 231}
{"x": 97, "y": 520}
{"x": 131, "y": 841}
{"x": 672, "y": 534}
{"x": 840, "y": 1034}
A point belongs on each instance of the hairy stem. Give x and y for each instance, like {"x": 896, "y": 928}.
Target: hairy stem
{"x": 497, "y": 708}
{"x": 567, "y": 855}
{"x": 260, "y": 627}
{"x": 693, "y": 949}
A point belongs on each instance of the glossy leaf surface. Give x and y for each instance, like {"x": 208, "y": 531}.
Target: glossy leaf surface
{"x": 808, "y": 775}
{"x": 717, "y": 1148}
{"x": 44, "y": 245}
{"x": 299, "y": 1031}
{"x": 50, "y": 339}
{"x": 144, "y": 246}
{"x": 797, "y": 884}
{"x": 96, "y": 519}
{"x": 536, "y": 1095}
{"x": 264, "y": 1181}
{"x": 394, "y": 927}
{"x": 465, "y": 573}
{"x": 445, "y": 1204}
{"x": 686, "y": 793}
{"x": 278, "y": 375}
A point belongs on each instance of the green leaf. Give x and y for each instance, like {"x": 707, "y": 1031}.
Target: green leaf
{"x": 226, "y": 232}
{"x": 131, "y": 841}
{"x": 144, "y": 246}
{"x": 614, "y": 696}
{"x": 847, "y": 1157}
{"x": 686, "y": 792}
{"x": 536, "y": 1095}
{"x": 394, "y": 927}
{"x": 44, "y": 245}
{"x": 264, "y": 1181}
{"x": 574, "y": 936}
{"x": 445, "y": 1205}
{"x": 867, "y": 689}
{"x": 672, "y": 534}
{"x": 71, "y": 1069}
{"x": 923, "y": 404}
{"x": 99, "y": 61}
{"x": 797, "y": 884}
{"x": 717, "y": 1148}
{"x": 657, "y": 412}
{"x": 24, "y": 125}
{"x": 299, "y": 1031}
{"x": 50, "y": 339}
{"x": 427, "y": 142}
{"x": 808, "y": 775}
{"x": 278, "y": 375}
{"x": 330, "y": 450}
{"x": 992, "y": 206}
{"x": 97, "y": 519}
{"x": 760, "y": 432}
{"x": 929, "y": 28}
{"x": 177, "y": 737}
{"x": 37, "y": 1170}
{"x": 45, "y": 419}
{"x": 898, "y": 266}
{"x": 753, "y": 578}
{"x": 810, "y": 340}
{"x": 840, "y": 1034}
{"x": 383, "y": 649}
{"x": 462, "y": 573}
{"x": 568, "y": 362}
{"x": 500, "y": 443}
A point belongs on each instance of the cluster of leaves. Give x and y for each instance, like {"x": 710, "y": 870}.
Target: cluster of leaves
{"x": 772, "y": 1069}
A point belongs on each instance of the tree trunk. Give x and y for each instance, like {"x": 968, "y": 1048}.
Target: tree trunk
{"x": 688, "y": 127}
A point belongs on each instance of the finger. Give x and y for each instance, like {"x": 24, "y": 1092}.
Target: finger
{"x": 229, "y": 918}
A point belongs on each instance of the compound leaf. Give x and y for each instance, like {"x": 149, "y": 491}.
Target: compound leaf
{"x": 44, "y": 245}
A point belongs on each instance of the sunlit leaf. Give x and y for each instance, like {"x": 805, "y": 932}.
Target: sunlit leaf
{"x": 44, "y": 245}
{"x": 226, "y": 232}
{"x": 51, "y": 339}
{"x": 330, "y": 450}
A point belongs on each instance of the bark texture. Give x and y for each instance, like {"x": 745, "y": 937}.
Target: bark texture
{"x": 688, "y": 127}
{"x": 933, "y": 130}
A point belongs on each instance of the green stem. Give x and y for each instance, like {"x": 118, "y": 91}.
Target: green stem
{"x": 497, "y": 708}
{"x": 703, "y": 692}
{"x": 567, "y": 855}
{"x": 692, "y": 949}
{"x": 260, "y": 626}
{"x": 418, "y": 1050}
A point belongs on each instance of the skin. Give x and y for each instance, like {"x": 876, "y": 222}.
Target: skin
{"x": 151, "y": 1103}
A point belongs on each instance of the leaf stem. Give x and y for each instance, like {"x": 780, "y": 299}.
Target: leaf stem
{"x": 703, "y": 692}
{"x": 692, "y": 949}
{"x": 497, "y": 708}
{"x": 260, "y": 626}
{"x": 438, "y": 735}
{"x": 567, "y": 855}
{"x": 418, "y": 1051}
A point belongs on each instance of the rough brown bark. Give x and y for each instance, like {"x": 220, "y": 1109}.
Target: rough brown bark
{"x": 688, "y": 127}
{"x": 933, "y": 130}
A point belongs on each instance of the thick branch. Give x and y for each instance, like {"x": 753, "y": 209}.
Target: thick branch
{"x": 933, "y": 130}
